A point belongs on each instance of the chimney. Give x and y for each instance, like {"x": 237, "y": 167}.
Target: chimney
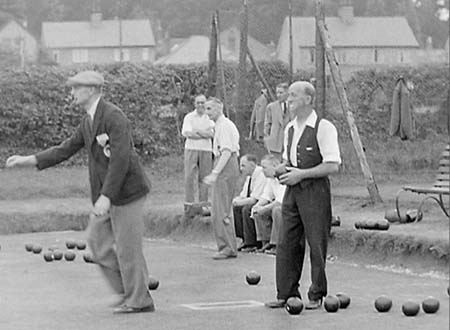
{"x": 345, "y": 11}
{"x": 96, "y": 19}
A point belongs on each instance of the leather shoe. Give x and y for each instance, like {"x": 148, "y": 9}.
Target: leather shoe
{"x": 249, "y": 249}
{"x": 314, "y": 304}
{"x": 129, "y": 310}
{"x": 280, "y": 303}
{"x": 272, "y": 251}
{"x": 221, "y": 256}
{"x": 265, "y": 247}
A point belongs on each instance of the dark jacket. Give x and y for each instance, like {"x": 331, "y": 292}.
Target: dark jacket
{"x": 120, "y": 177}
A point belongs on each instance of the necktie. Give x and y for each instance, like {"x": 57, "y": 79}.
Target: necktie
{"x": 249, "y": 191}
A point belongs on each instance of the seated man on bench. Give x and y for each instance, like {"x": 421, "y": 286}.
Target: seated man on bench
{"x": 267, "y": 211}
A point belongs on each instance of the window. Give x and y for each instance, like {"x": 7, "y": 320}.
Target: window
{"x": 401, "y": 57}
{"x": 311, "y": 55}
{"x": 56, "y": 55}
{"x": 125, "y": 55}
{"x": 343, "y": 57}
{"x": 79, "y": 55}
{"x": 117, "y": 55}
{"x": 145, "y": 54}
{"x": 375, "y": 55}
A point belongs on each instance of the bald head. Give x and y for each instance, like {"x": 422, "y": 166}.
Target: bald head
{"x": 300, "y": 98}
{"x": 304, "y": 87}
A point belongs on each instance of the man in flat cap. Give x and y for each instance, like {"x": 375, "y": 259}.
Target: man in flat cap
{"x": 119, "y": 188}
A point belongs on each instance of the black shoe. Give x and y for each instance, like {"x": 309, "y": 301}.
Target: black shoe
{"x": 280, "y": 303}
{"x": 314, "y": 304}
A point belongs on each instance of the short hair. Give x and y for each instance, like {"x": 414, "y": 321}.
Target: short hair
{"x": 284, "y": 86}
{"x": 306, "y": 87}
{"x": 271, "y": 158}
{"x": 215, "y": 100}
{"x": 200, "y": 95}
{"x": 251, "y": 158}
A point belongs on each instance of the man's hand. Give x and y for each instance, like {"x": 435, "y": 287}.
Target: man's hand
{"x": 17, "y": 160}
{"x": 210, "y": 178}
{"x": 237, "y": 201}
{"x": 102, "y": 205}
{"x": 293, "y": 176}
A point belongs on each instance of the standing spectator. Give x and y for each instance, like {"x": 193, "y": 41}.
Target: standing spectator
{"x": 277, "y": 117}
{"x": 198, "y": 130}
{"x": 267, "y": 211}
{"x": 242, "y": 204}
{"x": 311, "y": 154}
{"x": 119, "y": 188}
{"x": 223, "y": 179}
{"x": 258, "y": 116}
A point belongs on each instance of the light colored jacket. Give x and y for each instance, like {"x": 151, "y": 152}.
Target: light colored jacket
{"x": 274, "y": 126}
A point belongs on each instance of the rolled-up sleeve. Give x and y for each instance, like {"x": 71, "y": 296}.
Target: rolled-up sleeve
{"x": 327, "y": 138}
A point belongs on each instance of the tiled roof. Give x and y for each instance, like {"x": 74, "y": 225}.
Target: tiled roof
{"x": 194, "y": 49}
{"x": 363, "y": 32}
{"x": 106, "y": 34}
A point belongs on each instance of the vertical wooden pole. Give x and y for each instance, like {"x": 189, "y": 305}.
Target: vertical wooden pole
{"x": 345, "y": 105}
{"x": 212, "y": 65}
{"x": 291, "y": 55}
{"x": 320, "y": 102}
{"x": 222, "y": 69}
{"x": 242, "y": 70}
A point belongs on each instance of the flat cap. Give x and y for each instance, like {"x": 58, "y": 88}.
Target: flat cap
{"x": 86, "y": 78}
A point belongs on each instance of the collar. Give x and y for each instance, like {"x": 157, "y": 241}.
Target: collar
{"x": 221, "y": 118}
{"x": 310, "y": 121}
{"x": 198, "y": 114}
{"x": 93, "y": 108}
{"x": 256, "y": 171}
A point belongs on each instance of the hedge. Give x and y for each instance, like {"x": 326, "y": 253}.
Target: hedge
{"x": 36, "y": 110}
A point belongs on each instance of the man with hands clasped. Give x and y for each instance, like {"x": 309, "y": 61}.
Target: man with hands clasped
{"x": 311, "y": 153}
{"x": 119, "y": 188}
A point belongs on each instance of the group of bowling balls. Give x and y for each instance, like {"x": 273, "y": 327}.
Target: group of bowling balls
{"x": 383, "y": 304}
{"x": 54, "y": 253}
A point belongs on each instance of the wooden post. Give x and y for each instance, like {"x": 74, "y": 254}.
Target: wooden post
{"x": 242, "y": 71}
{"x": 291, "y": 55}
{"x": 212, "y": 65}
{"x": 345, "y": 105}
{"x": 320, "y": 102}
{"x": 270, "y": 92}
{"x": 222, "y": 69}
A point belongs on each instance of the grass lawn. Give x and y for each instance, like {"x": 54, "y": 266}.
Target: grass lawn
{"x": 350, "y": 196}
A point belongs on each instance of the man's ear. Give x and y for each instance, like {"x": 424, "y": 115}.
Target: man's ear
{"x": 308, "y": 99}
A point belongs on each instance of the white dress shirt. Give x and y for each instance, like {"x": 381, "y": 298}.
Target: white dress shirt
{"x": 194, "y": 121}
{"x": 257, "y": 184}
{"x": 327, "y": 138}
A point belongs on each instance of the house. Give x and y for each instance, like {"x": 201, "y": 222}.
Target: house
{"x": 358, "y": 42}
{"x": 16, "y": 38}
{"x": 194, "y": 49}
{"x": 99, "y": 41}
{"x": 230, "y": 38}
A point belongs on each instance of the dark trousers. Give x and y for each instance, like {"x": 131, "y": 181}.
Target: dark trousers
{"x": 306, "y": 216}
{"x": 244, "y": 225}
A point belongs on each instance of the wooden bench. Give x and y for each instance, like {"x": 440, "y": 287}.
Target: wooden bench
{"x": 436, "y": 192}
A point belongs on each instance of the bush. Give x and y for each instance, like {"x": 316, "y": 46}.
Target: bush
{"x": 36, "y": 110}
